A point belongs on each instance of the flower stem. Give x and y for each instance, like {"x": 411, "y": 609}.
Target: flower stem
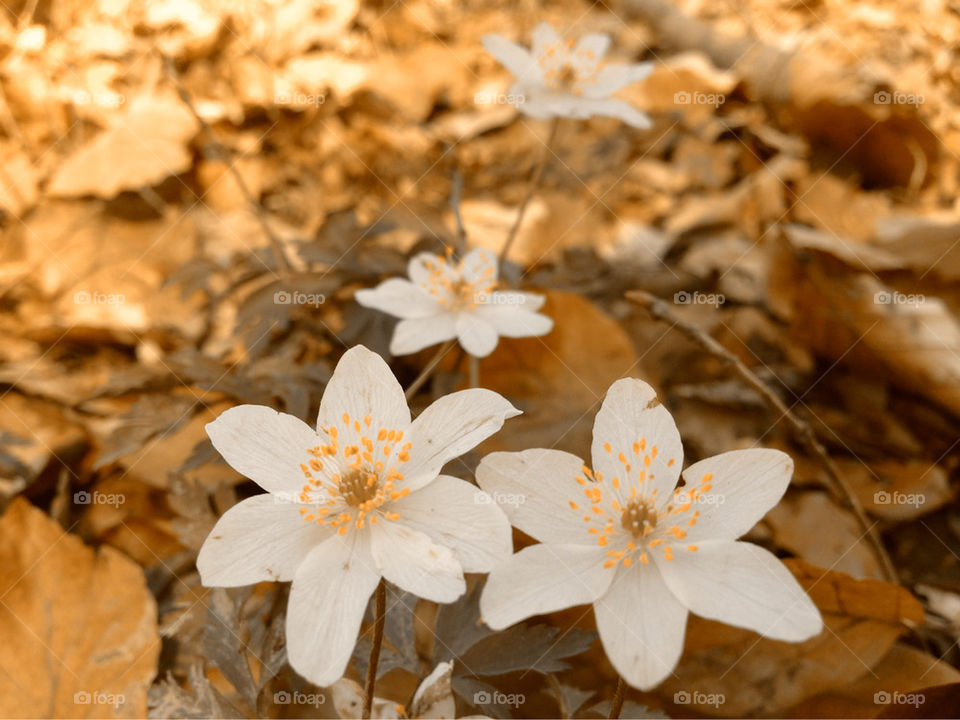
{"x": 429, "y": 368}
{"x": 473, "y": 365}
{"x": 378, "y": 623}
{"x": 534, "y": 183}
{"x": 617, "y": 706}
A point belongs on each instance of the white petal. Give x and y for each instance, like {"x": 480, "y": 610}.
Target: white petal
{"x": 400, "y": 298}
{"x": 327, "y": 600}
{"x": 462, "y": 517}
{"x": 631, "y": 414}
{"x": 641, "y": 626}
{"x": 741, "y": 584}
{"x": 611, "y": 78}
{"x": 451, "y": 426}
{"x": 477, "y": 336}
{"x": 515, "y": 322}
{"x": 410, "y": 559}
{"x": 362, "y": 385}
{"x": 543, "y": 578}
{"x": 258, "y": 539}
{"x": 535, "y": 488}
{"x": 544, "y": 37}
{"x": 264, "y": 445}
{"x": 414, "y": 335}
{"x": 591, "y": 48}
{"x": 744, "y": 484}
{"x": 531, "y": 301}
{"x": 515, "y": 58}
{"x": 479, "y": 264}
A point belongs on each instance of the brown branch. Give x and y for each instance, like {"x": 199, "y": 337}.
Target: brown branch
{"x": 842, "y": 490}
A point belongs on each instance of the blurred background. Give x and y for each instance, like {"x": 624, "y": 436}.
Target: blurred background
{"x": 193, "y": 190}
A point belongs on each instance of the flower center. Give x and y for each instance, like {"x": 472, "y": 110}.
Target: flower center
{"x": 452, "y": 292}
{"x": 639, "y": 518}
{"x": 350, "y": 478}
{"x": 358, "y": 487}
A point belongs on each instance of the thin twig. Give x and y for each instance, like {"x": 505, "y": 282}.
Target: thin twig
{"x": 456, "y": 199}
{"x": 534, "y": 183}
{"x": 429, "y": 368}
{"x": 658, "y": 309}
{"x": 616, "y": 707}
{"x": 378, "y": 625}
{"x": 281, "y": 257}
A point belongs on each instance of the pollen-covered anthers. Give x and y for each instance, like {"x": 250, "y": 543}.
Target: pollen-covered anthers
{"x": 637, "y": 464}
{"x": 639, "y": 518}
{"x": 567, "y": 71}
{"x": 448, "y": 287}
{"x": 354, "y": 478}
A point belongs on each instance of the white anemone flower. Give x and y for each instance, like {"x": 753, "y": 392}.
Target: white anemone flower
{"x": 641, "y": 550}
{"x": 357, "y": 499}
{"x": 444, "y": 300}
{"x": 563, "y": 78}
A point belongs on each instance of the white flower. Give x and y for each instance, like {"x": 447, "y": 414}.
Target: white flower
{"x": 443, "y": 300}
{"x": 357, "y": 499}
{"x": 558, "y": 78}
{"x": 641, "y": 550}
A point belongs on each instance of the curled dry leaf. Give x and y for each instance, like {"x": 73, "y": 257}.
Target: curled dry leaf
{"x": 79, "y": 626}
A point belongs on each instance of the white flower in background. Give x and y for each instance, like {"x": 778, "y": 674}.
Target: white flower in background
{"x": 641, "y": 550}
{"x": 357, "y": 499}
{"x": 443, "y": 300}
{"x": 560, "y": 78}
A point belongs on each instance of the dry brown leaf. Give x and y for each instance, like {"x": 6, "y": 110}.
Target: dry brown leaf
{"x": 144, "y": 145}
{"x": 79, "y": 625}
{"x": 558, "y": 380}
{"x": 760, "y": 677}
{"x": 812, "y": 526}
